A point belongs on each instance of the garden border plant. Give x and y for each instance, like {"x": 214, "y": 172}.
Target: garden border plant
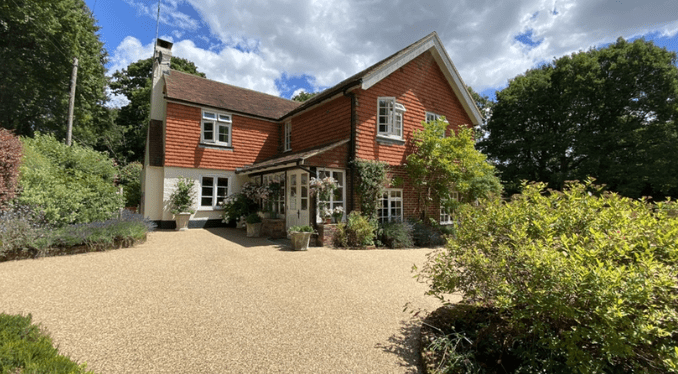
{"x": 581, "y": 280}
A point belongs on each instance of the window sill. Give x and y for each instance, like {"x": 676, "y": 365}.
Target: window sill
{"x": 209, "y": 209}
{"x": 381, "y": 139}
{"x": 216, "y": 146}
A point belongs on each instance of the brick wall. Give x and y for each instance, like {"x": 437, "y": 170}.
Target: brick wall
{"x": 420, "y": 86}
{"x": 252, "y": 140}
{"x": 334, "y": 158}
{"x": 330, "y": 122}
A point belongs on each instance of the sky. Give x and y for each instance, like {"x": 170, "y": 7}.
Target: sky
{"x": 283, "y": 47}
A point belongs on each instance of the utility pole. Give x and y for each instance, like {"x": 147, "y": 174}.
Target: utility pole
{"x": 71, "y": 101}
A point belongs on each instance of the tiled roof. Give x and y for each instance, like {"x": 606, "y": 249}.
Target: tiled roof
{"x": 290, "y": 158}
{"x": 193, "y": 89}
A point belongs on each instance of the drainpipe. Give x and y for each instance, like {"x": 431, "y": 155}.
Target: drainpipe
{"x": 351, "y": 151}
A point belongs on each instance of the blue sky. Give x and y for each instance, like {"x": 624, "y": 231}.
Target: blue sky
{"x": 281, "y": 47}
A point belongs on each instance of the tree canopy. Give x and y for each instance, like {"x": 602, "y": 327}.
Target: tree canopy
{"x": 303, "y": 96}
{"x": 608, "y": 113}
{"x": 440, "y": 165}
{"x": 38, "y": 40}
{"x": 134, "y": 82}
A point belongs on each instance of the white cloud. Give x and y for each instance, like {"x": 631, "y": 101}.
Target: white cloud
{"x": 262, "y": 41}
{"x": 128, "y": 51}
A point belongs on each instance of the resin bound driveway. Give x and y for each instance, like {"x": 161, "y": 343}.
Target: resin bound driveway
{"x": 214, "y": 301}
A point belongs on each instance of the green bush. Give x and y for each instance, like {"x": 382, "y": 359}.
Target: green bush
{"x": 427, "y": 235}
{"x": 396, "y": 235}
{"x": 304, "y": 228}
{"x": 24, "y": 348}
{"x": 129, "y": 177}
{"x": 357, "y": 232}
{"x": 253, "y": 218}
{"x": 236, "y": 206}
{"x": 69, "y": 184}
{"x": 585, "y": 279}
{"x": 183, "y": 196}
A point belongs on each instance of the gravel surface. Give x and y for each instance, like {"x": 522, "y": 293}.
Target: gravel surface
{"x": 214, "y": 301}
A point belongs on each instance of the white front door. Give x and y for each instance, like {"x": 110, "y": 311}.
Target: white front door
{"x": 297, "y": 198}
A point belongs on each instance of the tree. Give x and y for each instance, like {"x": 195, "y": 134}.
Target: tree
{"x": 38, "y": 40}
{"x": 609, "y": 113}
{"x": 440, "y": 165}
{"x": 484, "y": 104}
{"x": 303, "y": 96}
{"x": 134, "y": 83}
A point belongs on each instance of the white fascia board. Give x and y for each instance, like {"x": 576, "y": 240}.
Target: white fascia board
{"x": 449, "y": 70}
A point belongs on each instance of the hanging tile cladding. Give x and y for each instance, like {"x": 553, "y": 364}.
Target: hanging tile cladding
{"x": 421, "y": 87}
{"x": 327, "y": 123}
{"x": 334, "y": 158}
{"x": 253, "y": 140}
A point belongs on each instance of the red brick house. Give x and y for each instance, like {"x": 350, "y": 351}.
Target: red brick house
{"x": 223, "y": 136}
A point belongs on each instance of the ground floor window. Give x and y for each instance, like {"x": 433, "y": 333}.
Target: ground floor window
{"x": 391, "y": 205}
{"x": 276, "y": 201}
{"x": 445, "y": 217}
{"x": 213, "y": 190}
{"x": 335, "y": 204}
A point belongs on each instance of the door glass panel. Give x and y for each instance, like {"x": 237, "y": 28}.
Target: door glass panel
{"x": 293, "y": 192}
{"x": 304, "y": 191}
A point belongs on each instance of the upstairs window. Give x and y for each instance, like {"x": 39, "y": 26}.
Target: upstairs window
{"x": 216, "y": 128}
{"x": 430, "y": 117}
{"x": 390, "y": 118}
{"x": 288, "y": 137}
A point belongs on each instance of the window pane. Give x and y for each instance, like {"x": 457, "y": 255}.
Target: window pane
{"x": 208, "y": 130}
{"x": 209, "y": 115}
{"x": 224, "y": 118}
{"x": 206, "y": 201}
{"x": 223, "y": 134}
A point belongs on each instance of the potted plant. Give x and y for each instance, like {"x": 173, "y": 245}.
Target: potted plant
{"x": 300, "y": 236}
{"x": 338, "y": 213}
{"x": 181, "y": 201}
{"x": 253, "y": 225}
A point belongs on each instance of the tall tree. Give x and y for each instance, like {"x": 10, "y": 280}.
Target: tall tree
{"x": 38, "y": 40}
{"x": 134, "y": 83}
{"x": 609, "y": 113}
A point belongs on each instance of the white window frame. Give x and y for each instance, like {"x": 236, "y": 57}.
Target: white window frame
{"x": 445, "y": 216}
{"x": 287, "y": 137}
{"x": 388, "y": 192}
{"x": 215, "y": 189}
{"x": 430, "y": 116}
{"x": 332, "y": 203}
{"x": 392, "y": 119}
{"x": 219, "y": 121}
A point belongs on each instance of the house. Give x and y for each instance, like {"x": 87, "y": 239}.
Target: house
{"x": 223, "y": 136}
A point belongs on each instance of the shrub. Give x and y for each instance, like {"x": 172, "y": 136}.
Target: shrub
{"x": 236, "y": 206}
{"x": 396, "y": 235}
{"x": 304, "y": 228}
{"x": 182, "y": 197}
{"x": 10, "y": 159}
{"x": 373, "y": 177}
{"x": 585, "y": 278}
{"x": 24, "y": 348}
{"x": 253, "y": 218}
{"x": 24, "y": 235}
{"x": 425, "y": 235}
{"x": 69, "y": 184}
{"x": 129, "y": 177}
{"x": 357, "y": 232}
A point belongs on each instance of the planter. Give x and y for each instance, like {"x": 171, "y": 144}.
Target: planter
{"x": 328, "y": 221}
{"x": 253, "y": 230}
{"x": 300, "y": 240}
{"x": 181, "y": 220}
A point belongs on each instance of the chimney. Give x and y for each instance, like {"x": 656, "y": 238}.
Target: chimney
{"x": 161, "y": 67}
